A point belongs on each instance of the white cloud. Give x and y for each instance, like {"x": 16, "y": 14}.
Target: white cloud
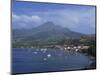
{"x": 15, "y": 17}
{"x": 68, "y": 18}
{"x": 25, "y": 20}
{"x": 36, "y": 19}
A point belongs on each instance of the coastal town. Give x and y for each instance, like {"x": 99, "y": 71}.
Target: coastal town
{"x": 78, "y": 48}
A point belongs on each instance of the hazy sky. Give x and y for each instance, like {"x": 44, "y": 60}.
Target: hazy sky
{"x": 78, "y": 18}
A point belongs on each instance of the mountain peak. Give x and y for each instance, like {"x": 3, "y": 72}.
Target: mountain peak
{"x": 49, "y": 23}
{"x": 47, "y": 30}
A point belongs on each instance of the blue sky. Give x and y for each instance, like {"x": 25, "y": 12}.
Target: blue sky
{"x": 79, "y": 18}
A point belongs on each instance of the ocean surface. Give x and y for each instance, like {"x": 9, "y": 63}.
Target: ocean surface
{"x": 28, "y": 60}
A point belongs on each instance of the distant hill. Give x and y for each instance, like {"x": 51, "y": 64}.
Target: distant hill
{"x": 44, "y": 32}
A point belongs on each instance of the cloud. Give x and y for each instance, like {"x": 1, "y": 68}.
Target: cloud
{"x": 15, "y": 17}
{"x": 36, "y": 19}
{"x": 79, "y": 21}
{"x": 20, "y": 21}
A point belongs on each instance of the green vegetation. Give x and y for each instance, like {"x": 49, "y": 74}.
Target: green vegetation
{"x": 91, "y": 42}
{"x": 50, "y": 42}
{"x": 92, "y": 50}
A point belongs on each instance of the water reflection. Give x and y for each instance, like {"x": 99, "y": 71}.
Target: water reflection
{"x": 30, "y": 60}
{"x": 35, "y": 52}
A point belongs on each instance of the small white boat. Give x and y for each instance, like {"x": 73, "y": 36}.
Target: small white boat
{"x": 35, "y": 52}
{"x": 49, "y": 55}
